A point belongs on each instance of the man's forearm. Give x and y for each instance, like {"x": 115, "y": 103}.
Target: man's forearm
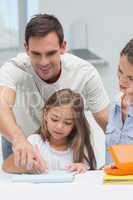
{"x": 8, "y": 126}
{"x": 102, "y": 124}
{"x": 102, "y": 118}
{"x": 9, "y": 166}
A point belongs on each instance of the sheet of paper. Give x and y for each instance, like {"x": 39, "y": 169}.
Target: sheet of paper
{"x": 50, "y": 177}
{"x": 5, "y": 177}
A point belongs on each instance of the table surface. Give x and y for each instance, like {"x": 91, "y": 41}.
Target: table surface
{"x": 85, "y": 186}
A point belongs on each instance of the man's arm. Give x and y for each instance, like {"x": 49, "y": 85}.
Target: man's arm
{"x": 102, "y": 118}
{"x": 23, "y": 150}
{"x": 9, "y": 166}
{"x": 39, "y": 164}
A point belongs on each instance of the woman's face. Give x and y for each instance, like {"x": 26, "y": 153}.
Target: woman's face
{"x": 60, "y": 122}
{"x": 125, "y": 74}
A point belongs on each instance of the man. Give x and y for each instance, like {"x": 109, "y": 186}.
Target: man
{"x": 27, "y": 80}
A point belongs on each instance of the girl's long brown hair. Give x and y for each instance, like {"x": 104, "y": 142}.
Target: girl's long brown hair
{"x": 79, "y": 139}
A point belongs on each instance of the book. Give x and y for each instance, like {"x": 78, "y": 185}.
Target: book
{"x": 117, "y": 180}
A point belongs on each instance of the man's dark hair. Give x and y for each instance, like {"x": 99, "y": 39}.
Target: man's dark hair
{"x": 128, "y": 51}
{"x": 42, "y": 24}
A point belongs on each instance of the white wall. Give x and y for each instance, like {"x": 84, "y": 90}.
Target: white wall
{"x": 109, "y": 28}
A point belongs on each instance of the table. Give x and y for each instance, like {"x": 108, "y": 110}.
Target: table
{"x": 86, "y": 186}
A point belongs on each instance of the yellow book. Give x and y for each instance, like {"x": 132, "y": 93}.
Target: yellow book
{"x": 110, "y": 179}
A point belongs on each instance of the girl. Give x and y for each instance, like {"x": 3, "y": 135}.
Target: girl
{"x": 64, "y": 139}
{"x": 120, "y": 125}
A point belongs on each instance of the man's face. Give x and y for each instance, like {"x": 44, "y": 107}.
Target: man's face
{"x": 44, "y": 53}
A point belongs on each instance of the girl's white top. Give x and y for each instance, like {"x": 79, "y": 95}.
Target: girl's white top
{"x": 55, "y": 159}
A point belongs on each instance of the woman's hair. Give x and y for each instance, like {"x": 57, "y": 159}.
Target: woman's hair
{"x": 79, "y": 139}
{"x": 41, "y": 25}
{"x": 128, "y": 51}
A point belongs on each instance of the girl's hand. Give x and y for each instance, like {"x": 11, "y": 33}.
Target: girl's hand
{"x": 40, "y": 165}
{"x": 78, "y": 167}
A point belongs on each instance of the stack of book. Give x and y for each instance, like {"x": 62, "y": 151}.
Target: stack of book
{"x": 121, "y": 172}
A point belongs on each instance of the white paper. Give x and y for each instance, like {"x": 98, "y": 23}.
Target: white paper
{"x": 50, "y": 177}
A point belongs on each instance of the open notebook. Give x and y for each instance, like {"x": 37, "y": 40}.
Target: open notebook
{"x": 50, "y": 177}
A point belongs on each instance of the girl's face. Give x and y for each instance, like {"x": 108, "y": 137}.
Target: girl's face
{"x": 125, "y": 74}
{"x": 60, "y": 122}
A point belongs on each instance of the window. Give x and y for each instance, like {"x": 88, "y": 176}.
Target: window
{"x": 32, "y": 8}
{"x": 8, "y": 23}
{"x": 13, "y": 17}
